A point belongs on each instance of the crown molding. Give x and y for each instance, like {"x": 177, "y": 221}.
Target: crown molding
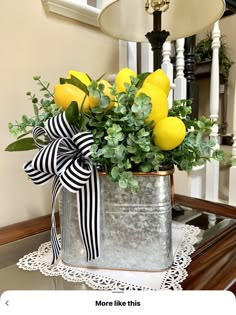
{"x": 74, "y": 10}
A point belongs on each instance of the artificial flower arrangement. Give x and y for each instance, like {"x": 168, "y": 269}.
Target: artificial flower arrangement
{"x": 85, "y": 127}
{"x": 133, "y": 129}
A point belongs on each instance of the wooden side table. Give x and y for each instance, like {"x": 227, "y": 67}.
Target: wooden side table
{"x": 213, "y": 265}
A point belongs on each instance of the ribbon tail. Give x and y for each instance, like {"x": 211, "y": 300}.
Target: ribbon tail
{"x": 54, "y": 239}
{"x": 88, "y": 198}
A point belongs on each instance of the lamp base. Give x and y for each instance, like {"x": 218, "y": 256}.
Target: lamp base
{"x": 157, "y": 39}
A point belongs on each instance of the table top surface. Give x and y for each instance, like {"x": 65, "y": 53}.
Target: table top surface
{"x": 213, "y": 265}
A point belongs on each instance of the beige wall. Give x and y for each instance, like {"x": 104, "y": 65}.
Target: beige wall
{"x": 35, "y": 42}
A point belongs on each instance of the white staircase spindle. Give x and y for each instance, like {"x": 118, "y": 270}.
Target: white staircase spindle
{"x": 196, "y": 177}
{"x": 215, "y": 83}
{"x": 146, "y": 57}
{"x": 127, "y": 55}
{"x": 196, "y": 182}
{"x": 123, "y": 54}
{"x": 132, "y": 56}
{"x": 232, "y": 171}
{"x": 212, "y": 167}
{"x": 167, "y": 67}
{"x": 180, "y": 80}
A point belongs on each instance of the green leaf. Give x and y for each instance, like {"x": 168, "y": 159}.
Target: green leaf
{"x": 36, "y": 111}
{"x": 25, "y": 119}
{"x": 136, "y": 159}
{"x": 63, "y": 80}
{"x": 186, "y": 165}
{"x": 114, "y": 129}
{"x": 108, "y": 152}
{"x": 120, "y": 109}
{"x": 127, "y": 175}
{"x": 24, "y": 134}
{"x": 113, "y": 140}
{"x": 125, "y": 164}
{"x": 93, "y": 89}
{"x": 88, "y": 77}
{"x": 22, "y": 145}
{"x": 97, "y": 110}
{"x": 142, "y": 106}
{"x": 123, "y": 183}
{"x": 120, "y": 152}
{"x": 82, "y": 123}
{"x": 132, "y": 149}
{"x": 101, "y": 76}
{"x": 233, "y": 161}
{"x": 141, "y": 77}
{"x": 218, "y": 155}
{"x": 47, "y": 95}
{"x": 134, "y": 185}
{"x": 72, "y": 112}
{"x": 104, "y": 101}
{"x": 75, "y": 81}
{"x": 115, "y": 172}
{"x": 143, "y": 133}
{"x": 146, "y": 167}
{"x": 199, "y": 138}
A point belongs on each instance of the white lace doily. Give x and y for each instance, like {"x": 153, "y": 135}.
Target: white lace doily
{"x": 184, "y": 236}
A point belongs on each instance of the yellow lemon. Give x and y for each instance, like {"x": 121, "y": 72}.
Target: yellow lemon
{"x": 79, "y": 75}
{"x": 159, "y": 102}
{"x": 123, "y": 76}
{"x": 160, "y": 79}
{"x": 169, "y": 133}
{"x": 93, "y": 101}
{"x": 64, "y": 94}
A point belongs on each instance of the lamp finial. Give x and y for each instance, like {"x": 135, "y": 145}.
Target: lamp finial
{"x": 156, "y": 5}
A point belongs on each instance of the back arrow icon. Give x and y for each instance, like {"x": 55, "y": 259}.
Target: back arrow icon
{"x": 7, "y": 302}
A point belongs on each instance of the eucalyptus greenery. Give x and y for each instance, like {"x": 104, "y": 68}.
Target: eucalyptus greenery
{"x": 123, "y": 139}
{"x": 43, "y": 109}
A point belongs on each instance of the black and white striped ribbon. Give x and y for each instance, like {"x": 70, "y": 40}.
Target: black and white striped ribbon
{"x": 66, "y": 158}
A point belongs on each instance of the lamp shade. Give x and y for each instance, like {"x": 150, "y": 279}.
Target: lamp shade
{"x": 127, "y": 19}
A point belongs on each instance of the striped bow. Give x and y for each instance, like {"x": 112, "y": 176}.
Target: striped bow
{"x": 66, "y": 158}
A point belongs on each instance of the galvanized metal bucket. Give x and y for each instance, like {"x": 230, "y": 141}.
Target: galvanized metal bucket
{"x": 135, "y": 228}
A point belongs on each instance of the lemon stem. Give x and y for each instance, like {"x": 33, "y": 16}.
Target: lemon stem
{"x": 82, "y": 105}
